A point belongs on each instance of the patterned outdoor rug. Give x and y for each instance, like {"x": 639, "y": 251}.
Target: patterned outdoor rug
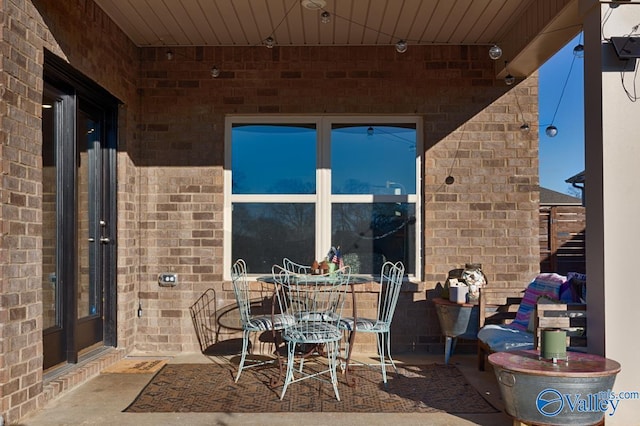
{"x": 207, "y": 388}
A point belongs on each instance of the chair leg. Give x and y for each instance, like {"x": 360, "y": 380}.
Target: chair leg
{"x": 291, "y": 349}
{"x": 334, "y": 348}
{"x": 245, "y": 346}
{"x": 381, "y": 347}
{"x": 393, "y": 364}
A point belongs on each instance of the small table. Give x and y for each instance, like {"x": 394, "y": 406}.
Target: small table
{"x": 538, "y": 391}
{"x": 353, "y": 280}
{"x": 456, "y": 320}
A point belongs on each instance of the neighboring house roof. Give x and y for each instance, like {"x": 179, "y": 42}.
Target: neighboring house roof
{"x": 579, "y": 178}
{"x": 555, "y": 198}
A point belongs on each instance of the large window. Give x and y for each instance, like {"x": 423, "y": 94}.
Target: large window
{"x": 296, "y": 186}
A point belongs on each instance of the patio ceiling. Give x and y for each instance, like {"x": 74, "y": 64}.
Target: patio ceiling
{"x": 156, "y": 23}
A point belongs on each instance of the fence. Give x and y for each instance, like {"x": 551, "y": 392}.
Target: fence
{"x": 562, "y": 239}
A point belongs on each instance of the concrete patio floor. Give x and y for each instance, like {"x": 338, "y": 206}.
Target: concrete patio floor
{"x": 101, "y": 400}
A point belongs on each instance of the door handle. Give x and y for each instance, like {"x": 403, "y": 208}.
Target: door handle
{"x": 105, "y": 240}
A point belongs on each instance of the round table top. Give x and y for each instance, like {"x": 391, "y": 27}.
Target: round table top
{"x": 578, "y": 364}
{"x": 354, "y": 279}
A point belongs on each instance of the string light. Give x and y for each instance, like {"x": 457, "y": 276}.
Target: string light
{"x": 325, "y": 17}
{"x": 495, "y": 52}
{"x": 269, "y": 42}
{"x": 169, "y": 55}
{"x": 215, "y": 72}
{"x": 551, "y": 130}
{"x": 401, "y": 46}
{"x": 370, "y": 131}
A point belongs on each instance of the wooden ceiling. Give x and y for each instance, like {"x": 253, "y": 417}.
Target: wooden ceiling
{"x": 291, "y": 23}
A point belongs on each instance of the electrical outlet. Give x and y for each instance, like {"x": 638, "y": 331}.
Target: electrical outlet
{"x": 168, "y": 279}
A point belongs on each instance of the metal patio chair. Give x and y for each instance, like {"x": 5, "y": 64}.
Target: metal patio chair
{"x": 252, "y": 323}
{"x": 316, "y": 302}
{"x": 391, "y": 276}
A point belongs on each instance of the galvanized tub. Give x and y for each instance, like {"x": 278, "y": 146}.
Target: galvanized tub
{"x": 458, "y": 320}
{"x": 562, "y": 399}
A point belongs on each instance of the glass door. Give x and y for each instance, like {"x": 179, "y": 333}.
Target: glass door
{"x": 78, "y": 153}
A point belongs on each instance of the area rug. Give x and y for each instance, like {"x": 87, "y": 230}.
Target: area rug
{"x": 208, "y": 388}
{"x": 136, "y": 366}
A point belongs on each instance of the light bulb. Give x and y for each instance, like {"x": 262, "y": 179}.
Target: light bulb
{"x": 370, "y": 131}
{"x": 169, "y": 55}
{"x": 509, "y": 80}
{"x": 325, "y": 17}
{"x": 495, "y": 52}
{"x": 401, "y": 46}
{"x": 215, "y": 72}
{"x": 551, "y": 131}
{"x": 525, "y": 128}
{"x": 269, "y": 42}
{"x": 578, "y": 51}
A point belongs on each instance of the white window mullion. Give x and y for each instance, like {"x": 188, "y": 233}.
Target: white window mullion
{"x": 323, "y": 209}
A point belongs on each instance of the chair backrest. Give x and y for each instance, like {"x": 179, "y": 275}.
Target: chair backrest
{"x": 312, "y": 298}
{"x": 391, "y": 276}
{"x": 203, "y": 315}
{"x": 294, "y": 267}
{"x": 241, "y": 289}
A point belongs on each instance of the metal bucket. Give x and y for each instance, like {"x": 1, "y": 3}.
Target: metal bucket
{"x": 458, "y": 320}
{"x": 549, "y": 400}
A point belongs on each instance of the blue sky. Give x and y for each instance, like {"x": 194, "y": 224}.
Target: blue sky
{"x": 563, "y": 155}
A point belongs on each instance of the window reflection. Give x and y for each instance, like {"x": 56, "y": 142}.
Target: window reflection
{"x": 370, "y": 234}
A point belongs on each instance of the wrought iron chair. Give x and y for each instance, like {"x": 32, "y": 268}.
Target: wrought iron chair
{"x": 391, "y": 276}
{"x": 294, "y": 267}
{"x": 252, "y": 323}
{"x": 316, "y": 302}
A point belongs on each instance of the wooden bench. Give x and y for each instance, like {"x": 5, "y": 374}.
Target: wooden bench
{"x": 499, "y": 306}
{"x": 496, "y": 306}
{"x": 571, "y": 317}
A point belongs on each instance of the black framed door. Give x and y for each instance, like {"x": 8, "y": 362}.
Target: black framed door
{"x": 78, "y": 153}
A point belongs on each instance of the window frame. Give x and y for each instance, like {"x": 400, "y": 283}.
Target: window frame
{"x": 323, "y": 198}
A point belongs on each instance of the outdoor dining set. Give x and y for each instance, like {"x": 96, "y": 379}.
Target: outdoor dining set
{"x": 308, "y": 319}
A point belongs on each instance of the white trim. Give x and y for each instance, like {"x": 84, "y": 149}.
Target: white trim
{"x": 323, "y": 198}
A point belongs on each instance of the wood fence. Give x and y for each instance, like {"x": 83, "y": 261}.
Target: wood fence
{"x": 562, "y": 239}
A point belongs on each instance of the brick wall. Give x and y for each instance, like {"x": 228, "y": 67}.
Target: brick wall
{"x": 102, "y": 52}
{"x": 472, "y": 131}
{"x": 170, "y": 163}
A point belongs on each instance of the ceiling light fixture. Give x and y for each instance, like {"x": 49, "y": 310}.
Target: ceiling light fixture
{"x": 495, "y": 52}
{"x": 325, "y": 17}
{"x": 313, "y": 4}
{"x": 401, "y": 46}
